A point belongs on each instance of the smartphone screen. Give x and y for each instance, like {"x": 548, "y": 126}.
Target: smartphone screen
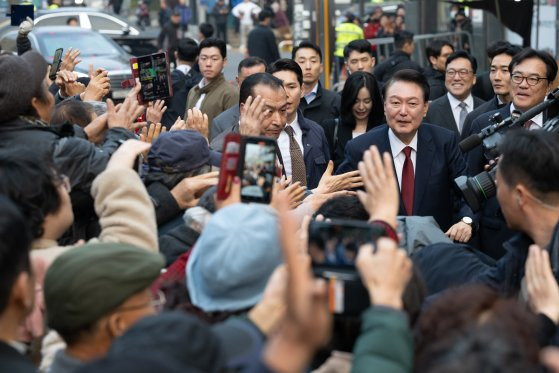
{"x": 153, "y": 72}
{"x": 336, "y": 243}
{"x": 229, "y": 164}
{"x": 258, "y": 169}
{"x": 55, "y": 63}
{"x": 18, "y": 13}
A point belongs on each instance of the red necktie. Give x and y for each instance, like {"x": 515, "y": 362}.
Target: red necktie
{"x": 408, "y": 181}
{"x": 528, "y": 124}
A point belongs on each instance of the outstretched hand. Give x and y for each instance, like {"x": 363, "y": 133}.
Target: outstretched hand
{"x": 381, "y": 196}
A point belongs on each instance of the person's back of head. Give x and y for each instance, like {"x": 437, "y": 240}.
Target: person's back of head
{"x": 16, "y": 284}
{"x": 264, "y": 16}
{"x": 32, "y": 184}
{"x": 459, "y": 310}
{"x": 403, "y": 38}
{"x": 343, "y": 207}
{"x": 187, "y": 50}
{"x": 480, "y": 349}
{"x": 206, "y": 30}
{"x": 531, "y": 158}
{"x": 72, "y": 112}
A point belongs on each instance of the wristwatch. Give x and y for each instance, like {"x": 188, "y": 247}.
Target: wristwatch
{"x": 467, "y": 220}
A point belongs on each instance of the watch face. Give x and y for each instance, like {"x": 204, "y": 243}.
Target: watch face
{"x": 467, "y": 220}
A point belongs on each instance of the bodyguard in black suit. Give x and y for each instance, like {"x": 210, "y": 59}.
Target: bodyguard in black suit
{"x": 183, "y": 78}
{"x": 318, "y": 104}
{"x": 450, "y": 110}
{"x": 434, "y": 156}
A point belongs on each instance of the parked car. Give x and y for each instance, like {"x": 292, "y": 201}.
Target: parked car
{"x": 95, "y": 49}
{"x": 135, "y": 40}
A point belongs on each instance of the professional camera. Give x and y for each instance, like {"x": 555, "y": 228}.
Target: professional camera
{"x": 477, "y": 189}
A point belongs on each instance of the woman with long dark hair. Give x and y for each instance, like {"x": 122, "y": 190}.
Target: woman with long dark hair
{"x": 361, "y": 109}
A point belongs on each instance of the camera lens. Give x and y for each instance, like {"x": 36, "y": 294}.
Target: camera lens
{"x": 477, "y": 189}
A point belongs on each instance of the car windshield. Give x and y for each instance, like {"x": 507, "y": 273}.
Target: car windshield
{"x": 90, "y": 44}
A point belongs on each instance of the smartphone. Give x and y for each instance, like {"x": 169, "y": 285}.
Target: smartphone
{"x": 154, "y": 74}
{"x": 333, "y": 249}
{"x": 18, "y": 13}
{"x": 229, "y": 165}
{"x": 258, "y": 169}
{"x": 55, "y": 67}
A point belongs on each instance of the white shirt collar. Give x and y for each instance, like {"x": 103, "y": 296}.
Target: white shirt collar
{"x": 295, "y": 124}
{"x": 397, "y": 146}
{"x": 454, "y": 102}
{"x": 184, "y": 68}
{"x": 538, "y": 119}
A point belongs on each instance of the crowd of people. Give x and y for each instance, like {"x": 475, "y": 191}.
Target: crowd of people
{"x": 119, "y": 252}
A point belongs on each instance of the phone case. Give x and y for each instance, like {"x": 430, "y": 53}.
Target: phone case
{"x": 135, "y": 67}
{"x": 229, "y": 165}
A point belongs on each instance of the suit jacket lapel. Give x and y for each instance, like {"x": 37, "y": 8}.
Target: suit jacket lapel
{"x": 447, "y": 112}
{"x": 424, "y": 159}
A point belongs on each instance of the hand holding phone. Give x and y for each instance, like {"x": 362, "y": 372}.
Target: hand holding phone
{"x": 154, "y": 75}
{"x": 229, "y": 165}
{"x": 55, "y": 67}
{"x": 258, "y": 169}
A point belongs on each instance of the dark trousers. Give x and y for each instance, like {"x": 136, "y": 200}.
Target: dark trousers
{"x": 221, "y": 32}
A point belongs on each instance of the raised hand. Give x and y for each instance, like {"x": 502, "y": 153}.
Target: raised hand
{"x": 99, "y": 85}
{"x": 70, "y": 60}
{"x": 381, "y": 199}
{"x": 543, "y": 291}
{"x": 125, "y": 115}
{"x": 187, "y": 193}
{"x": 385, "y": 273}
{"x": 155, "y": 111}
{"x": 126, "y": 154}
{"x": 252, "y": 115}
{"x": 197, "y": 121}
{"x": 334, "y": 183}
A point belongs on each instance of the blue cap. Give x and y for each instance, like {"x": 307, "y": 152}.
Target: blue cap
{"x": 181, "y": 151}
{"x": 232, "y": 260}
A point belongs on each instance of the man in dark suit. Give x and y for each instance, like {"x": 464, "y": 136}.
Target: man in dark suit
{"x": 426, "y": 157}
{"x": 262, "y": 41}
{"x": 540, "y": 68}
{"x": 18, "y": 287}
{"x": 302, "y": 143}
{"x": 226, "y": 120}
{"x": 450, "y": 110}
{"x": 437, "y": 52}
{"x": 318, "y": 104}
{"x": 500, "y": 54}
{"x": 183, "y": 78}
{"x": 399, "y": 60}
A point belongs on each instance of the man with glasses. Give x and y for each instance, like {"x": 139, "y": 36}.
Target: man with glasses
{"x": 532, "y": 73}
{"x": 500, "y": 54}
{"x": 213, "y": 95}
{"x": 450, "y": 110}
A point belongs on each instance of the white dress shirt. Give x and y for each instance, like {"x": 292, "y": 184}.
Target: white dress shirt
{"x": 309, "y": 97}
{"x": 283, "y": 144}
{"x": 202, "y": 84}
{"x": 246, "y": 11}
{"x": 456, "y": 109}
{"x": 537, "y": 121}
{"x": 397, "y": 147}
